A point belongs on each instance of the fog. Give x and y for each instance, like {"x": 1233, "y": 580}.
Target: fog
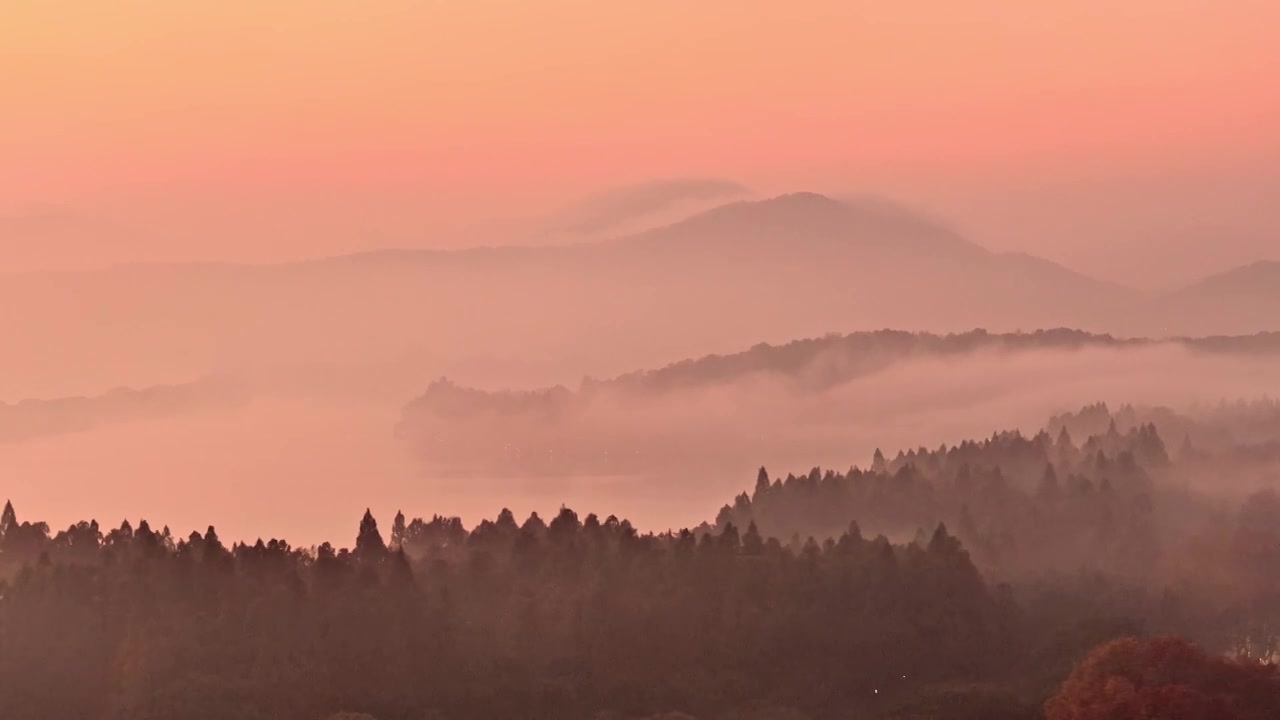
{"x": 637, "y": 207}
{"x": 335, "y": 444}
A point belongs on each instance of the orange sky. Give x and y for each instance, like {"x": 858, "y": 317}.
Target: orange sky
{"x": 246, "y": 130}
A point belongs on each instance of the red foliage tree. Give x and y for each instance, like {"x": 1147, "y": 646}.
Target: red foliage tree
{"x": 1165, "y": 679}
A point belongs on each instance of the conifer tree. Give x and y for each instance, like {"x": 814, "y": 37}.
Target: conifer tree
{"x": 8, "y": 518}
{"x": 369, "y": 542}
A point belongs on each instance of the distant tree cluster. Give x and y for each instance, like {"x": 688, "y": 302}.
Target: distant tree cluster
{"x": 836, "y": 358}
{"x": 1242, "y": 427}
{"x": 1181, "y": 544}
{"x": 1020, "y": 504}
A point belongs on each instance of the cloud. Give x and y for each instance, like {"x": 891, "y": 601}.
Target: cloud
{"x": 618, "y": 207}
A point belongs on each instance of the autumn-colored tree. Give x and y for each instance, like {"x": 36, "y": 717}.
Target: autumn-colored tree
{"x": 1165, "y": 679}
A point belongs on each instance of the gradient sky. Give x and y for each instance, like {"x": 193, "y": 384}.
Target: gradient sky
{"x": 1085, "y": 130}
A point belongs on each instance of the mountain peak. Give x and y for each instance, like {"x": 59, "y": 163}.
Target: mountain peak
{"x": 803, "y": 200}
{"x": 790, "y": 208}
{"x": 1257, "y": 267}
{"x": 794, "y": 220}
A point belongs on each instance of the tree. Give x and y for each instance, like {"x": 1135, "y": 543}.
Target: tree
{"x": 121, "y": 536}
{"x": 729, "y": 539}
{"x": 397, "y": 531}
{"x": 536, "y": 527}
{"x": 564, "y": 526}
{"x": 369, "y": 542}
{"x": 942, "y": 542}
{"x": 752, "y": 543}
{"x": 762, "y": 484}
{"x": 1165, "y": 678}
{"x": 878, "y": 463}
{"x": 213, "y": 547}
{"x": 1064, "y": 442}
{"x": 1049, "y": 488}
{"x": 506, "y": 522}
{"x": 8, "y": 518}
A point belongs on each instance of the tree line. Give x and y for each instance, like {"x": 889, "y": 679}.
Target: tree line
{"x": 959, "y": 583}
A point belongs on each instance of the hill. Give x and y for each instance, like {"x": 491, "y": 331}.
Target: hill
{"x": 1246, "y": 299}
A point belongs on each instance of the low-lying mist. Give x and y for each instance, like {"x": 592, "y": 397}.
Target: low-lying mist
{"x": 800, "y": 419}
{"x": 661, "y": 459}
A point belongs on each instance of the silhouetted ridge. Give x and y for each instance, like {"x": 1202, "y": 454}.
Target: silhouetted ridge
{"x": 798, "y": 207}
{"x": 1245, "y": 299}
{"x": 557, "y": 431}
{"x": 33, "y": 417}
{"x": 835, "y": 358}
{"x": 1263, "y": 275}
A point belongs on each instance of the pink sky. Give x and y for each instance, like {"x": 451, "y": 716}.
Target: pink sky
{"x": 267, "y": 131}
{"x": 1138, "y": 141}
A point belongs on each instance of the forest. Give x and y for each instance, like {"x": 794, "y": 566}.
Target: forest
{"x": 1009, "y": 577}
{"x": 791, "y": 402}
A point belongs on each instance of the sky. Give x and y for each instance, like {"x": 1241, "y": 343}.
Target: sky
{"x": 1096, "y": 133}
{"x": 1135, "y": 141}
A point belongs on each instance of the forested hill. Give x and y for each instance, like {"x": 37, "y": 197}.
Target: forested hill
{"x": 836, "y": 358}
{"x": 828, "y": 360}
{"x": 799, "y": 401}
{"x": 1182, "y": 539}
{"x": 1098, "y": 489}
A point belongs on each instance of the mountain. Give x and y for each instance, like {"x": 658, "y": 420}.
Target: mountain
{"x": 1245, "y": 299}
{"x": 792, "y": 266}
{"x": 809, "y": 221}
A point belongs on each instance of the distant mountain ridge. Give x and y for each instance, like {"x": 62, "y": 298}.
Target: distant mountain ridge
{"x": 797, "y": 265}
{"x": 596, "y": 428}
{"x": 34, "y": 418}
{"x": 810, "y": 217}
{"x": 1260, "y": 275}
{"x": 1230, "y": 302}
{"x": 815, "y": 363}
